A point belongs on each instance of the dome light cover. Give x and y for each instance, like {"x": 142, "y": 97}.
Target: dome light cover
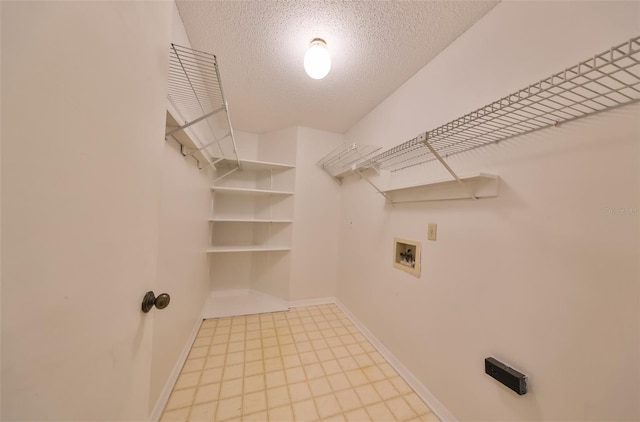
{"x": 317, "y": 61}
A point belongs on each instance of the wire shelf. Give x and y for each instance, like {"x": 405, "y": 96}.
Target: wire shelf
{"x": 195, "y": 93}
{"x": 609, "y": 79}
{"x": 346, "y": 158}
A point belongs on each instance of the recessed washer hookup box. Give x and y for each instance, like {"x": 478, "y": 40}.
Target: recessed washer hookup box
{"x": 506, "y": 375}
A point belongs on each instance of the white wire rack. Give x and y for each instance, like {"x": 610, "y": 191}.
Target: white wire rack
{"x": 609, "y": 79}
{"x": 196, "y": 96}
{"x": 346, "y": 158}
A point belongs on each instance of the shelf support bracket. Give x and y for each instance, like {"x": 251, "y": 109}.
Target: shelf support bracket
{"x": 217, "y": 141}
{"x": 193, "y": 122}
{"x": 233, "y": 138}
{"x": 374, "y": 186}
{"x": 425, "y": 140}
{"x": 226, "y": 174}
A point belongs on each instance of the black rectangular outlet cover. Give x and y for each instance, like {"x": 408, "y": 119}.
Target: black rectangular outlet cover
{"x": 506, "y": 375}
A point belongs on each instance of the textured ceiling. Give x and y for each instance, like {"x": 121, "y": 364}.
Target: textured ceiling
{"x": 375, "y": 47}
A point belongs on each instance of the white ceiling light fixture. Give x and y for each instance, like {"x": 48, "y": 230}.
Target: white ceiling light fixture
{"x": 317, "y": 61}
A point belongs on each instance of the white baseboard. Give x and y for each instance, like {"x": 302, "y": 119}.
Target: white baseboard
{"x": 275, "y": 299}
{"x": 434, "y": 404}
{"x": 229, "y": 303}
{"x": 227, "y": 293}
{"x": 156, "y": 413}
{"x": 311, "y": 302}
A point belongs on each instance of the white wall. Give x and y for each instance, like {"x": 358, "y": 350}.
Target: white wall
{"x": 247, "y": 144}
{"x": 278, "y": 146}
{"x": 0, "y": 188}
{"x": 316, "y": 219}
{"x": 83, "y": 110}
{"x": 539, "y": 277}
{"x": 183, "y": 269}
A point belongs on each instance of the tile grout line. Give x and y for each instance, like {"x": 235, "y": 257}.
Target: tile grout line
{"x": 313, "y": 400}
{"x": 242, "y": 383}
{"x": 265, "y": 375}
{"x": 306, "y": 379}
{"x": 201, "y": 371}
{"x": 325, "y": 330}
{"x": 168, "y": 388}
{"x": 364, "y": 407}
{"x": 224, "y": 364}
{"x": 437, "y": 408}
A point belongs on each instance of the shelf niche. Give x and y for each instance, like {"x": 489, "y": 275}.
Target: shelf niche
{"x": 250, "y": 236}
{"x": 251, "y": 220}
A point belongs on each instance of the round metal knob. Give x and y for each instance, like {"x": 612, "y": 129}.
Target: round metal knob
{"x": 150, "y": 300}
{"x": 162, "y": 301}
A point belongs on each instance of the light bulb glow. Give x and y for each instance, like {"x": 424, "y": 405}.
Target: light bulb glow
{"x": 317, "y": 61}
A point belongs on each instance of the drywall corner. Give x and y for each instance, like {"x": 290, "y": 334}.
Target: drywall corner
{"x": 316, "y": 218}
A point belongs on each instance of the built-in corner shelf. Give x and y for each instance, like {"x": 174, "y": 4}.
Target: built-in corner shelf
{"x": 247, "y": 248}
{"x": 252, "y": 209}
{"x": 248, "y": 192}
{"x": 478, "y": 185}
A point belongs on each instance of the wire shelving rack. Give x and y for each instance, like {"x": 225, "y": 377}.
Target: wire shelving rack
{"x": 199, "y": 109}
{"x": 607, "y": 80}
{"x": 346, "y": 158}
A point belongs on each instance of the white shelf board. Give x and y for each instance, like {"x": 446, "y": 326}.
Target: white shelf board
{"x": 245, "y": 191}
{"x": 249, "y": 248}
{"x": 255, "y": 165}
{"x": 248, "y": 220}
{"x": 483, "y": 185}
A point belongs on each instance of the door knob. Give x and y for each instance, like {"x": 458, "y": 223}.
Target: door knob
{"x": 150, "y": 299}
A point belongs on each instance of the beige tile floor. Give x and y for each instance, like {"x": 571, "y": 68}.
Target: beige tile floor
{"x": 306, "y": 364}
